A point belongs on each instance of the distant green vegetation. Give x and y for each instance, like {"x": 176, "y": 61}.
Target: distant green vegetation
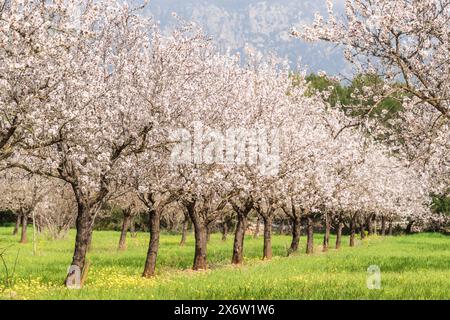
{"x": 412, "y": 267}
{"x": 383, "y": 107}
{"x": 345, "y": 97}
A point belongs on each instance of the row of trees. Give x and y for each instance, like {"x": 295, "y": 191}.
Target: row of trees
{"x": 98, "y": 104}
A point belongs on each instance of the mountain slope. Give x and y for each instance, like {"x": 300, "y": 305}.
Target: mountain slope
{"x": 263, "y": 25}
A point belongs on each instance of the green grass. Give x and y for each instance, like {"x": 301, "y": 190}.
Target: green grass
{"x": 412, "y": 267}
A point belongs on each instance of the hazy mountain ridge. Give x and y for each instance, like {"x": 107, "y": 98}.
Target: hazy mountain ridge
{"x": 264, "y": 25}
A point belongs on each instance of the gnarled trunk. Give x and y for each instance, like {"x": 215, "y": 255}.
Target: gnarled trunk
{"x": 201, "y": 235}
{"x": 17, "y": 225}
{"x": 184, "y": 231}
{"x": 352, "y": 233}
{"x": 239, "y": 235}
{"x": 282, "y": 227}
{"x": 82, "y": 239}
{"x": 310, "y": 236}
{"x": 339, "y": 235}
{"x": 267, "y": 251}
{"x": 375, "y": 226}
{"x": 124, "y": 231}
{"x": 370, "y": 226}
{"x": 152, "y": 253}
{"x": 133, "y": 227}
{"x": 296, "y": 232}
{"x": 256, "y": 233}
{"x": 23, "y": 236}
{"x": 409, "y": 226}
{"x": 200, "y": 247}
{"x": 383, "y": 226}
{"x": 362, "y": 231}
{"x": 224, "y": 230}
{"x": 326, "y": 237}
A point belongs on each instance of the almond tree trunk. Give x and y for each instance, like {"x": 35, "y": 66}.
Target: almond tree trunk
{"x": 296, "y": 232}
{"x": 310, "y": 236}
{"x": 23, "y": 236}
{"x": 200, "y": 247}
{"x": 282, "y": 227}
{"x": 152, "y": 253}
{"x": 239, "y": 235}
{"x": 17, "y": 225}
{"x": 326, "y": 237}
{"x": 267, "y": 251}
{"x": 225, "y": 230}
{"x": 362, "y": 231}
{"x": 123, "y": 234}
{"x": 256, "y": 233}
{"x": 242, "y": 212}
{"x": 383, "y": 226}
{"x": 82, "y": 239}
{"x": 390, "y": 231}
{"x": 375, "y": 227}
{"x": 133, "y": 227}
{"x": 409, "y": 227}
{"x": 339, "y": 235}
{"x": 201, "y": 235}
{"x": 352, "y": 233}
{"x": 370, "y": 226}
{"x": 184, "y": 231}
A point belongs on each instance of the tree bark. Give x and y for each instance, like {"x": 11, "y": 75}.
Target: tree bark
{"x": 239, "y": 235}
{"x": 383, "y": 226}
{"x": 17, "y": 225}
{"x": 362, "y": 231}
{"x": 375, "y": 229}
{"x": 310, "y": 236}
{"x": 133, "y": 227}
{"x": 200, "y": 247}
{"x": 390, "y": 231}
{"x": 23, "y": 236}
{"x": 256, "y": 234}
{"x": 296, "y": 232}
{"x": 184, "y": 231}
{"x": 352, "y": 233}
{"x": 267, "y": 251}
{"x": 282, "y": 227}
{"x": 200, "y": 233}
{"x": 339, "y": 235}
{"x": 83, "y": 237}
{"x": 124, "y": 231}
{"x": 326, "y": 237}
{"x": 152, "y": 253}
{"x": 224, "y": 230}
{"x": 370, "y": 226}
{"x": 409, "y": 227}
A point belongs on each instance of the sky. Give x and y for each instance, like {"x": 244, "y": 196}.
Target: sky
{"x": 263, "y": 25}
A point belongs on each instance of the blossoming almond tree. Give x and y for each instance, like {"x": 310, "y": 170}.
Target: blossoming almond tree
{"x": 407, "y": 40}
{"x": 33, "y": 70}
{"x": 22, "y": 192}
{"x": 190, "y": 83}
{"x": 407, "y": 44}
{"x": 57, "y": 211}
{"x": 99, "y": 114}
{"x": 129, "y": 203}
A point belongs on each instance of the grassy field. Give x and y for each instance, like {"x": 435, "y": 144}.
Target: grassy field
{"x": 412, "y": 267}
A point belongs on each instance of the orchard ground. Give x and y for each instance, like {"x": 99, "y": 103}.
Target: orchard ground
{"x": 412, "y": 267}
